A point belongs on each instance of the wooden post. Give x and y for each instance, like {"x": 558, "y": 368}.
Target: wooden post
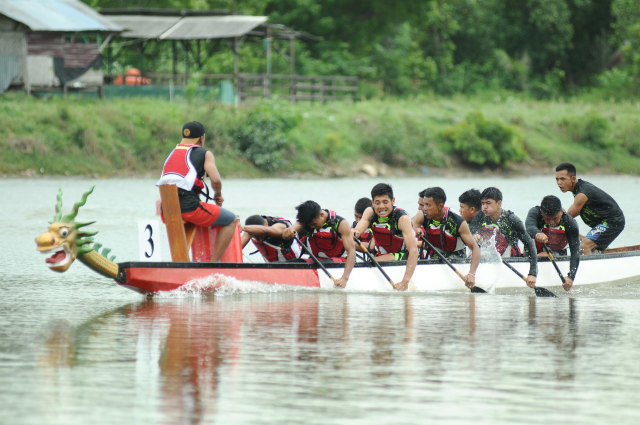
{"x": 173, "y": 220}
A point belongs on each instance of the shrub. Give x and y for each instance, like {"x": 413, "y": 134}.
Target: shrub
{"x": 483, "y": 142}
{"x": 590, "y": 129}
{"x": 262, "y": 137}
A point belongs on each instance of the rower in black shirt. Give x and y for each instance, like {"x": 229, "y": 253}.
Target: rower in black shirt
{"x": 549, "y": 224}
{"x": 596, "y": 208}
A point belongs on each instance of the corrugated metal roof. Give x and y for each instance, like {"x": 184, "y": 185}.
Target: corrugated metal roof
{"x": 186, "y": 28}
{"x": 144, "y": 26}
{"x": 56, "y": 15}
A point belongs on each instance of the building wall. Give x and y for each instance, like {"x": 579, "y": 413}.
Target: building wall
{"x": 13, "y": 47}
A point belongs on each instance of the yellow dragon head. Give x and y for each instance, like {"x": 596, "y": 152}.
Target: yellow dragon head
{"x": 64, "y": 241}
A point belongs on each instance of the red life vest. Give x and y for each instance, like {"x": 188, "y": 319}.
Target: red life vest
{"x": 326, "y": 242}
{"x": 444, "y": 233}
{"x": 388, "y": 237}
{"x": 489, "y": 230}
{"x": 277, "y": 249}
{"x": 558, "y": 240}
{"x": 179, "y": 170}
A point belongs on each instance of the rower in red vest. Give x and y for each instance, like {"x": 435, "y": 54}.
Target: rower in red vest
{"x": 446, "y": 230}
{"x": 185, "y": 167}
{"x": 366, "y": 237}
{"x": 391, "y": 227}
{"x": 266, "y": 234}
{"x": 326, "y": 234}
{"x": 550, "y": 224}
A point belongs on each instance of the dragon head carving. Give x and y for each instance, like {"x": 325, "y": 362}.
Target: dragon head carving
{"x": 65, "y": 240}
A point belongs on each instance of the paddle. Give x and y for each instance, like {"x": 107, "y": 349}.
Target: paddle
{"x": 553, "y": 261}
{"x": 540, "y": 292}
{"x": 375, "y": 263}
{"x": 314, "y": 258}
{"x": 476, "y": 289}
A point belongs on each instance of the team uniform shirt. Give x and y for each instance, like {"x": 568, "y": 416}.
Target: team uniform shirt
{"x": 508, "y": 230}
{"x": 275, "y": 248}
{"x": 326, "y": 242}
{"x": 444, "y": 234}
{"x": 386, "y": 234}
{"x": 565, "y": 234}
{"x": 601, "y": 212}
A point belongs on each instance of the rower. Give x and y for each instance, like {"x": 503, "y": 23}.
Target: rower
{"x": 507, "y": 229}
{"x": 549, "y": 224}
{"x": 470, "y": 204}
{"x": 423, "y": 252}
{"x": 366, "y": 237}
{"x": 596, "y": 208}
{"x": 266, "y": 234}
{"x": 446, "y": 230}
{"x": 326, "y": 234}
{"x": 392, "y": 231}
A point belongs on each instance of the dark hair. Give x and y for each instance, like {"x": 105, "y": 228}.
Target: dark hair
{"x": 421, "y": 193}
{"x": 550, "y": 205}
{"x": 255, "y": 220}
{"x": 569, "y": 167}
{"x": 307, "y": 211}
{"x": 362, "y": 204}
{"x": 472, "y": 198}
{"x": 437, "y": 193}
{"x": 492, "y": 193}
{"x": 382, "y": 189}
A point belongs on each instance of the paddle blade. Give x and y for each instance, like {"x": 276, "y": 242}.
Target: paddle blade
{"x": 543, "y": 292}
{"x": 478, "y": 290}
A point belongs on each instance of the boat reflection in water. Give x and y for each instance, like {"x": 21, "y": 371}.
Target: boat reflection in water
{"x": 237, "y": 357}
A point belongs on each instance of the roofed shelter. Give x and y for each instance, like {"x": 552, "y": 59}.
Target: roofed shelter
{"x": 51, "y": 43}
{"x": 187, "y": 26}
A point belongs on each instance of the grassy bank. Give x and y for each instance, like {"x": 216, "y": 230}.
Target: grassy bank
{"x": 497, "y": 133}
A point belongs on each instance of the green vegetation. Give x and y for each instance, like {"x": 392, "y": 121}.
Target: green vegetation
{"x": 497, "y": 132}
{"x": 544, "y": 48}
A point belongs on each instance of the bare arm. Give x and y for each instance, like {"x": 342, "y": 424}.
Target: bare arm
{"x": 347, "y": 241}
{"x": 578, "y": 203}
{"x": 404, "y": 224}
{"x": 214, "y": 176}
{"x": 290, "y": 232}
{"x": 470, "y": 241}
{"x": 416, "y": 222}
{"x": 364, "y": 222}
{"x": 257, "y": 230}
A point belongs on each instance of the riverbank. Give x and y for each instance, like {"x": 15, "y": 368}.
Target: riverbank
{"x": 457, "y": 136}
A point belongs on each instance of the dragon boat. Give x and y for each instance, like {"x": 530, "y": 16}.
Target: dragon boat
{"x": 67, "y": 240}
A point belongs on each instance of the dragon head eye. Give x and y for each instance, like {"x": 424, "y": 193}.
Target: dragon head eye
{"x": 64, "y": 232}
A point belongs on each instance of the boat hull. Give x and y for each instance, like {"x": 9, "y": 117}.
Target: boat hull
{"x": 604, "y": 269}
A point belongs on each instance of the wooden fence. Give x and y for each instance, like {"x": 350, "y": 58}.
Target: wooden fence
{"x": 294, "y": 87}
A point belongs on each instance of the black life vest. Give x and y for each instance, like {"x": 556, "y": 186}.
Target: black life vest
{"x": 326, "y": 242}
{"x": 277, "y": 249}
{"x": 444, "y": 233}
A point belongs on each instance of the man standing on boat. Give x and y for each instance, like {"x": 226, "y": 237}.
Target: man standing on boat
{"x": 548, "y": 224}
{"x": 326, "y": 234}
{"x": 446, "y": 230}
{"x": 596, "y": 208}
{"x": 392, "y": 231}
{"x": 266, "y": 234}
{"x": 185, "y": 167}
{"x": 470, "y": 204}
{"x": 507, "y": 229}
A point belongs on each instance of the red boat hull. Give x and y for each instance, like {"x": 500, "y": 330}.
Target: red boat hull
{"x": 167, "y": 276}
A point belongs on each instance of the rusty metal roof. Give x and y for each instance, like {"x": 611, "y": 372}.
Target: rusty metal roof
{"x": 186, "y": 27}
{"x": 56, "y": 15}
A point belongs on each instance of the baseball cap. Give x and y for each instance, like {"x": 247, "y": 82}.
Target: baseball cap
{"x": 192, "y": 130}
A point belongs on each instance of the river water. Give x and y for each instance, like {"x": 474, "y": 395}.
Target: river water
{"x": 77, "y": 349}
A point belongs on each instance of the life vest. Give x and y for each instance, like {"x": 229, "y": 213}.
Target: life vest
{"x": 444, "y": 233}
{"x": 558, "y": 240}
{"x": 277, "y": 249}
{"x": 388, "y": 237}
{"x": 179, "y": 170}
{"x": 489, "y": 230}
{"x": 326, "y": 242}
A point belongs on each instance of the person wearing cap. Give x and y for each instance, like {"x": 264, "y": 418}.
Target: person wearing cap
{"x": 185, "y": 167}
